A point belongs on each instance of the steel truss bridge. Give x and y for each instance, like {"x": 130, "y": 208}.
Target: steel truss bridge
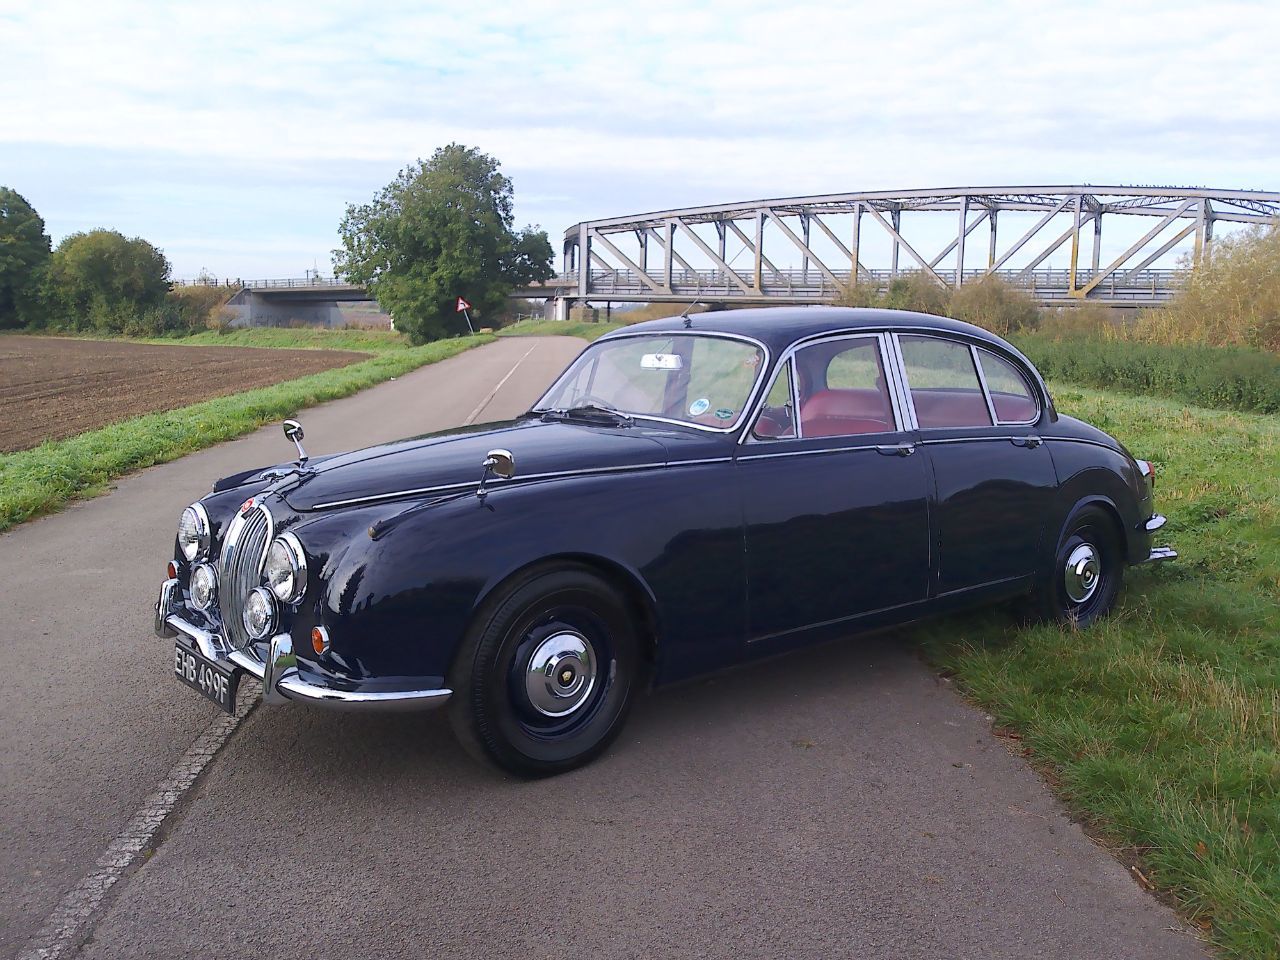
{"x": 684, "y": 255}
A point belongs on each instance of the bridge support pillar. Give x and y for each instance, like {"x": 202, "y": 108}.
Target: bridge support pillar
{"x": 557, "y": 308}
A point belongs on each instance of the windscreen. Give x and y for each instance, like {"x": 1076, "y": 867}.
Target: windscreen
{"x": 692, "y": 378}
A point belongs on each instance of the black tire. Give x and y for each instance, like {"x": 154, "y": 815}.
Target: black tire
{"x": 579, "y": 629}
{"x": 1087, "y": 571}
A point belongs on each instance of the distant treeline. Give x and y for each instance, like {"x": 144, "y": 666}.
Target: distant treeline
{"x": 98, "y": 281}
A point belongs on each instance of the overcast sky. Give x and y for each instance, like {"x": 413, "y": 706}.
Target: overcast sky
{"x": 233, "y": 135}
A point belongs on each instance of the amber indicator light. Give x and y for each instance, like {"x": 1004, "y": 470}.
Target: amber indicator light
{"x": 172, "y": 570}
{"x": 318, "y": 641}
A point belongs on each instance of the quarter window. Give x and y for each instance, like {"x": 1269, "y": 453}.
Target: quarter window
{"x": 1010, "y": 393}
{"x": 777, "y": 417}
{"x": 843, "y": 390}
{"x": 944, "y": 384}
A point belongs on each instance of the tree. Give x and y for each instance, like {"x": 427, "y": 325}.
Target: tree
{"x": 104, "y": 280}
{"x": 439, "y": 231}
{"x": 24, "y": 258}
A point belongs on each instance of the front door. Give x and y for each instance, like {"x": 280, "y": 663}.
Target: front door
{"x": 835, "y": 494}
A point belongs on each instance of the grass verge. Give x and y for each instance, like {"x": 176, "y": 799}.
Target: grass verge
{"x": 559, "y": 328}
{"x": 1161, "y": 725}
{"x": 43, "y": 478}
{"x": 1226, "y": 378}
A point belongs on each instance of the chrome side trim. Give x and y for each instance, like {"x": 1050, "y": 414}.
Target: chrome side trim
{"x": 808, "y": 453}
{"x": 1095, "y": 443}
{"x": 529, "y": 478}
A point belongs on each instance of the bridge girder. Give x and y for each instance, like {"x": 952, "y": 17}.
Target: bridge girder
{"x": 1179, "y": 212}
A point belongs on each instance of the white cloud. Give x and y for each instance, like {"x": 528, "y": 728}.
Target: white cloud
{"x": 157, "y": 114}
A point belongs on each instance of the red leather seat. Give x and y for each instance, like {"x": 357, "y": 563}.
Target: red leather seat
{"x": 841, "y": 413}
{"x": 950, "y": 408}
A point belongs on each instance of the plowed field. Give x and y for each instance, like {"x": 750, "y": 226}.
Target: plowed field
{"x": 52, "y": 388}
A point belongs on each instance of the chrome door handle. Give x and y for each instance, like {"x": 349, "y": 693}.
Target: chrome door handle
{"x": 897, "y": 450}
{"x": 1031, "y": 441}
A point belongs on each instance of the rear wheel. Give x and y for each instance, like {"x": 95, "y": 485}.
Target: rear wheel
{"x": 1087, "y": 571}
{"x": 544, "y": 679}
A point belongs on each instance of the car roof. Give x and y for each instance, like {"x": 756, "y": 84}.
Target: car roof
{"x": 779, "y": 327}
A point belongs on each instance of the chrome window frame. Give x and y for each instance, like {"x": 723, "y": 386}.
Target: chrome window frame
{"x": 1026, "y": 382}
{"x": 748, "y": 405}
{"x": 784, "y": 365}
{"x": 904, "y": 418}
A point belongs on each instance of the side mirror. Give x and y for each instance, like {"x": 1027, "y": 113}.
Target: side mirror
{"x": 497, "y": 463}
{"x": 502, "y": 463}
{"x": 293, "y": 430}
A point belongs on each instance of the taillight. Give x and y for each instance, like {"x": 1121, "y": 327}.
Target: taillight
{"x": 1148, "y": 471}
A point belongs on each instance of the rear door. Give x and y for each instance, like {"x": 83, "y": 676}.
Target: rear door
{"x": 835, "y": 494}
{"x": 994, "y": 480}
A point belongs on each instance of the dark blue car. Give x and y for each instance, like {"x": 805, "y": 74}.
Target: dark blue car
{"x": 689, "y": 494}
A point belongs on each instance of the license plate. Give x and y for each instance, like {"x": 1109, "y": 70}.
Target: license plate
{"x": 214, "y": 681}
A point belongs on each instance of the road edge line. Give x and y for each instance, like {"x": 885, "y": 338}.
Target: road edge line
{"x": 65, "y": 926}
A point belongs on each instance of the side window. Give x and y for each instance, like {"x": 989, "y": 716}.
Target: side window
{"x": 944, "y": 384}
{"x": 843, "y": 390}
{"x": 1011, "y": 395}
{"x": 777, "y": 419}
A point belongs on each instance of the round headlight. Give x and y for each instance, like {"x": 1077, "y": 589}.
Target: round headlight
{"x": 204, "y": 586}
{"x": 193, "y": 532}
{"x": 285, "y": 569}
{"x": 260, "y": 613}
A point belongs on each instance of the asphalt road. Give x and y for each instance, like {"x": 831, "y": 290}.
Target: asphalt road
{"x": 842, "y": 802}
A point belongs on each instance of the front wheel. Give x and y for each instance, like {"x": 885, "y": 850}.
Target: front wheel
{"x": 1086, "y": 575}
{"x": 544, "y": 678}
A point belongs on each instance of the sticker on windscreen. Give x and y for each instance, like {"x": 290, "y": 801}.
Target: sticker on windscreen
{"x": 699, "y": 407}
{"x": 724, "y": 413}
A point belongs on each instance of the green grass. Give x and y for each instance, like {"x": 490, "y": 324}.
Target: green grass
{"x": 1226, "y": 378}
{"x": 302, "y": 338}
{"x": 1161, "y": 725}
{"x": 39, "y": 480}
{"x": 559, "y": 328}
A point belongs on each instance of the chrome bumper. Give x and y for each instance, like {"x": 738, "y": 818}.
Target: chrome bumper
{"x": 281, "y": 681}
{"x": 1151, "y": 525}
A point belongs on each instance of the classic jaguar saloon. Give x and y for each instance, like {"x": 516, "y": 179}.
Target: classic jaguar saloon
{"x": 689, "y": 494}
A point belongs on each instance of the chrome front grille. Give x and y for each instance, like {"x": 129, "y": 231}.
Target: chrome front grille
{"x": 244, "y": 550}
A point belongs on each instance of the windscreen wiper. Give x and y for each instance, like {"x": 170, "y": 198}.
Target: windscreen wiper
{"x": 592, "y": 412}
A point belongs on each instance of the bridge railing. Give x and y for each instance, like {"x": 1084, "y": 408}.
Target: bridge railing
{"x": 813, "y": 285}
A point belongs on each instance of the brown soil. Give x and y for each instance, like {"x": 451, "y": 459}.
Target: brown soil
{"x": 52, "y": 388}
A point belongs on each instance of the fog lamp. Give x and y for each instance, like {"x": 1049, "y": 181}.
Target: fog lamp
{"x": 259, "y": 613}
{"x": 204, "y": 586}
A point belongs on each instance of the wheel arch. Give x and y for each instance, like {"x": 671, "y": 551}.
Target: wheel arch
{"x": 1107, "y": 507}
{"x": 625, "y": 580}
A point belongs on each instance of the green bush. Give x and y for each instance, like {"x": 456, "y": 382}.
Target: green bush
{"x": 1222, "y": 377}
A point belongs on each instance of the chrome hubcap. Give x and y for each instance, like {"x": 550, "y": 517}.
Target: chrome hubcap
{"x": 561, "y": 674}
{"x": 1083, "y": 573}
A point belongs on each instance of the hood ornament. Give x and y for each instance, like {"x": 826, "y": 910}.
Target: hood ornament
{"x": 293, "y": 430}
{"x": 498, "y": 463}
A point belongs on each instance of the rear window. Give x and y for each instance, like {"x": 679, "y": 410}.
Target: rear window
{"x": 1011, "y": 395}
{"x": 944, "y": 383}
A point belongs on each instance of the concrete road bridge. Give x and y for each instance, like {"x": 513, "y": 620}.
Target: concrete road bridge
{"x": 803, "y": 250}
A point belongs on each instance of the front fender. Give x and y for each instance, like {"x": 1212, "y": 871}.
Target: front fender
{"x": 401, "y": 604}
